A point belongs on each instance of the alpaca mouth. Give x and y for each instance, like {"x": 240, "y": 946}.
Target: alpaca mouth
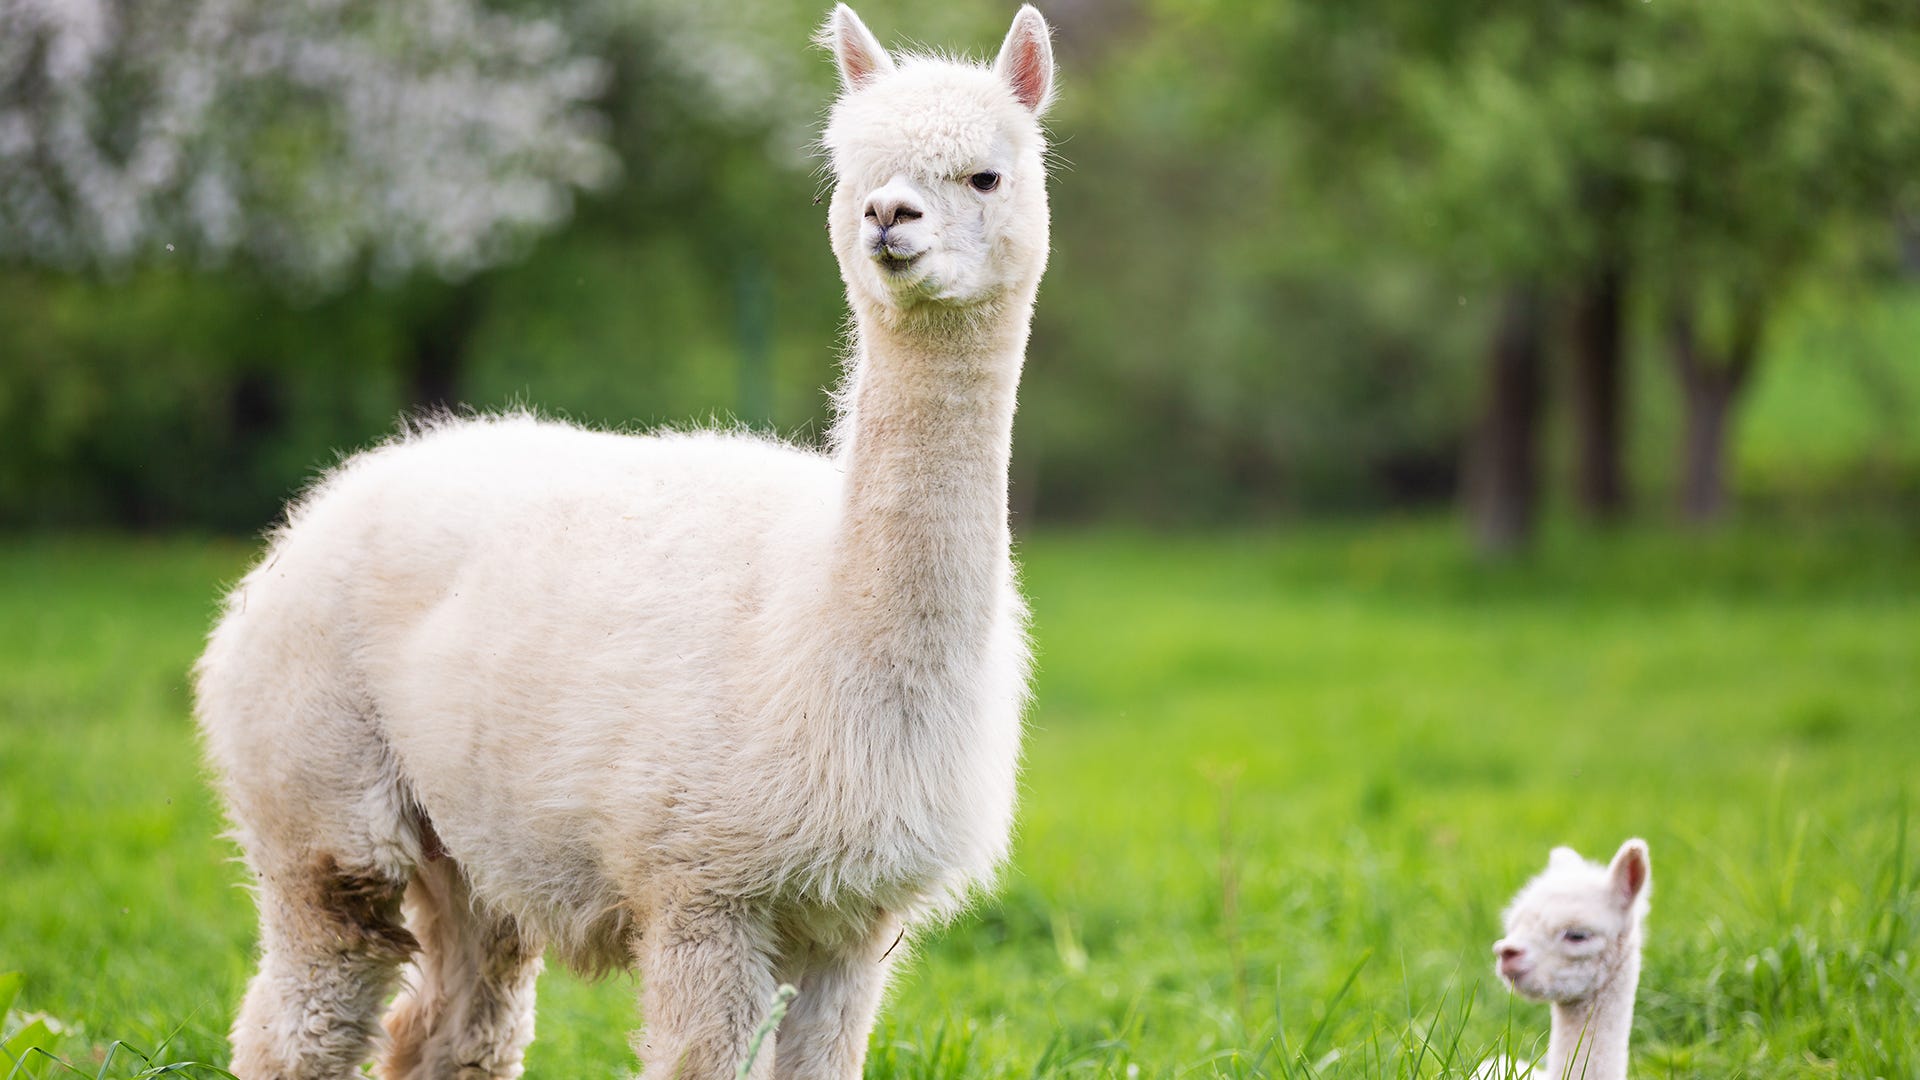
{"x": 893, "y": 264}
{"x": 1525, "y": 987}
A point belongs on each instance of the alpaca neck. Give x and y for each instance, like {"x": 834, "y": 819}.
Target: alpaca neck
{"x": 924, "y": 441}
{"x": 1589, "y": 1040}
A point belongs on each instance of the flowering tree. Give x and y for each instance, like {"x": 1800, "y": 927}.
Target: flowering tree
{"x": 314, "y": 138}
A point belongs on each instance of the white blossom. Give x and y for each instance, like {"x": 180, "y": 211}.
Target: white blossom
{"x": 313, "y": 137}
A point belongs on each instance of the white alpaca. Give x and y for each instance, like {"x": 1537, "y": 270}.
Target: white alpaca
{"x": 732, "y": 711}
{"x": 1573, "y": 938}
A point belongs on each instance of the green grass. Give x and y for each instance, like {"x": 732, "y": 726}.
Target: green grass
{"x": 1278, "y": 787}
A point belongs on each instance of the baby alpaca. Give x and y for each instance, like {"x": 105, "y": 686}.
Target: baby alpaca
{"x": 1573, "y": 939}
{"x": 730, "y": 711}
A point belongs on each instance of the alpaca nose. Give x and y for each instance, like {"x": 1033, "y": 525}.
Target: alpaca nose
{"x": 1510, "y": 955}
{"x": 894, "y": 204}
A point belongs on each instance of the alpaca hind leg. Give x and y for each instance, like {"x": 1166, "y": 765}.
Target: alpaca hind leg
{"x": 824, "y": 1036}
{"x": 466, "y": 1011}
{"x": 706, "y": 984}
{"x": 332, "y": 942}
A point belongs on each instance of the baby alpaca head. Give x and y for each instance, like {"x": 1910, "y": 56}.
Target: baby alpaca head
{"x": 940, "y": 198}
{"x": 1574, "y": 927}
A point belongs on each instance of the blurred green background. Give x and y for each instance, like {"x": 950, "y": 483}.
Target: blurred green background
{"x": 1309, "y": 258}
{"x": 1450, "y": 429}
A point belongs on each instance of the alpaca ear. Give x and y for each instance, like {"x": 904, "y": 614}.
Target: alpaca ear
{"x": 855, "y": 49}
{"x": 1563, "y": 857}
{"x": 1631, "y": 870}
{"x": 1026, "y": 60}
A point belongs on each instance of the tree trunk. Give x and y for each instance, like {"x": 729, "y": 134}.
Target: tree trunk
{"x": 1598, "y": 390}
{"x": 1907, "y": 239}
{"x": 1703, "y": 480}
{"x": 439, "y": 347}
{"x": 1710, "y": 384}
{"x": 1503, "y": 466}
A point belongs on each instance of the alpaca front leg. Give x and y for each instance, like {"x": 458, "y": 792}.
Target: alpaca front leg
{"x": 824, "y": 1036}
{"x": 706, "y": 983}
{"x": 332, "y": 942}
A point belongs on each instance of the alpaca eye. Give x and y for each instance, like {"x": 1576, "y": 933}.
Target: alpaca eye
{"x": 1576, "y": 936}
{"x": 984, "y": 181}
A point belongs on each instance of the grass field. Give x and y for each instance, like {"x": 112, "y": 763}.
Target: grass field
{"x": 1278, "y": 787}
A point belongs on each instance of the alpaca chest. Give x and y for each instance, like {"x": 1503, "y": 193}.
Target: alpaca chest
{"x": 898, "y": 800}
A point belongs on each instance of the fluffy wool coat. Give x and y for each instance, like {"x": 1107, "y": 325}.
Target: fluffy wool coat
{"x": 1573, "y": 938}
{"x": 729, "y": 710}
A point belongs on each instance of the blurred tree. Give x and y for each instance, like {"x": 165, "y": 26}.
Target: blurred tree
{"x": 1598, "y": 391}
{"x": 1419, "y": 130}
{"x": 1512, "y": 140}
{"x": 1308, "y": 256}
{"x": 195, "y": 195}
{"x": 312, "y": 142}
{"x": 1766, "y": 136}
{"x": 1503, "y": 483}
{"x": 315, "y": 139}
{"x": 1209, "y": 345}
{"x": 1686, "y": 153}
{"x": 703, "y": 279}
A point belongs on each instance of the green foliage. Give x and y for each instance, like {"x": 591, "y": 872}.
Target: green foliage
{"x": 1278, "y": 787}
{"x": 26, "y": 1041}
{"x": 1277, "y": 228}
{"x": 1220, "y": 375}
{"x": 29, "y": 1043}
{"x": 1520, "y": 138}
{"x": 169, "y": 398}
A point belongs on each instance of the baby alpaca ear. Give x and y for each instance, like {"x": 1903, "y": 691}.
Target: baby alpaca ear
{"x": 1026, "y": 60}
{"x": 1631, "y": 870}
{"x": 855, "y": 49}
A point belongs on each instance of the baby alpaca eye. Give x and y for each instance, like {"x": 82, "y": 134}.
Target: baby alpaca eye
{"x": 984, "y": 181}
{"x": 1575, "y": 937}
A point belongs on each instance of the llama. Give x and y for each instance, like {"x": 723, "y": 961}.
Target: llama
{"x": 1573, "y": 939}
{"x": 725, "y": 710}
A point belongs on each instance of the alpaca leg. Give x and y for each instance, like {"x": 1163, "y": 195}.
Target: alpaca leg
{"x": 332, "y": 942}
{"x": 706, "y": 982}
{"x": 466, "y": 1011}
{"x": 824, "y": 1036}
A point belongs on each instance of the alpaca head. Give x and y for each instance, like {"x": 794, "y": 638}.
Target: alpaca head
{"x": 1573, "y": 927}
{"x": 940, "y": 197}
